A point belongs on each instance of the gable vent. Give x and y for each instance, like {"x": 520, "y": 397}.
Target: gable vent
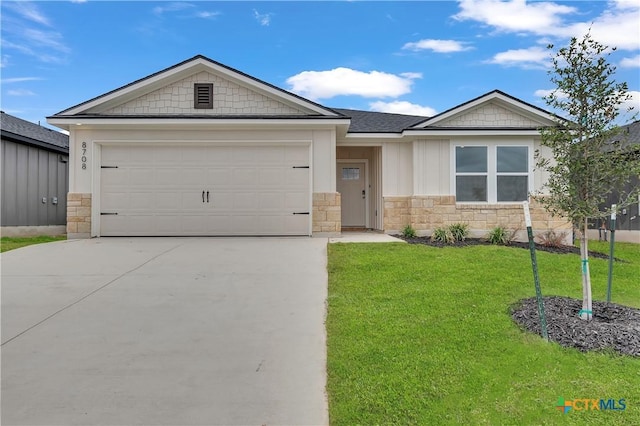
{"x": 203, "y": 95}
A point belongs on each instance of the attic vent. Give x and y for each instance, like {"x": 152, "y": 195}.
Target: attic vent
{"x": 203, "y": 95}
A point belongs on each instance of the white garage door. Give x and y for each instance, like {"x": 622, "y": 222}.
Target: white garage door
{"x": 204, "y": 190}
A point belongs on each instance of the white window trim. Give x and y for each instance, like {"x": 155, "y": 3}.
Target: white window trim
{"x": 492, "y": 173}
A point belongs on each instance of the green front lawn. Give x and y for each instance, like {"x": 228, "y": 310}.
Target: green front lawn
{"x": 422, "y": 335}
{"x": 10, "y": 243}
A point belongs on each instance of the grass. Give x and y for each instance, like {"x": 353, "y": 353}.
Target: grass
{"x": 12, "y": 243}
{"x": 422, "y": 335}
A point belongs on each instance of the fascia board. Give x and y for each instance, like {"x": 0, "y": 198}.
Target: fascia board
{"x": 77, "y": 122}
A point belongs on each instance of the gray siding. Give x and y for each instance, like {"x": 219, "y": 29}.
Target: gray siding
{"x": 28, "y": 175}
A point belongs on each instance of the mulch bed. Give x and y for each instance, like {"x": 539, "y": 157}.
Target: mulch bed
{"x": 613, "y": 326}
{"x": 478, "y": 241}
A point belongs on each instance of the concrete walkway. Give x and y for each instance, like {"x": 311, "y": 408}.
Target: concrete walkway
{"x": 165, "y": 331}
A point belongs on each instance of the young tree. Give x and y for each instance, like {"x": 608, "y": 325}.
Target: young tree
{"x": 584, "y": 165}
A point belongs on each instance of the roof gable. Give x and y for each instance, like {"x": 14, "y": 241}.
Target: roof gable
{"x": 493, "y": 110}
{"x": 170, "y": 91}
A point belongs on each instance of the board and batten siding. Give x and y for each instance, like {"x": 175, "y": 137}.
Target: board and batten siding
{"x": 397, "y": 164}
{"x": 30, "y": 176}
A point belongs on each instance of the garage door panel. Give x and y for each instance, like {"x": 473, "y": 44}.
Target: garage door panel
{"x": 158, "y": 190}
{"x": 272, "y": 177}
{"x": 218, "y": 177}
{"x": 141, "y": 176}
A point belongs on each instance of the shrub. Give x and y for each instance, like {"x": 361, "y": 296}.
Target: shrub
{"x": 552, "y": 238}
{"x": 500, "y": 235}
{"x": 408, "y": 232}
{"x": 460, "y": 231}
{"x": 443, "y": 235}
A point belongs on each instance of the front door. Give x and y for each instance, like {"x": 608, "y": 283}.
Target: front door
{"x": 351, "y": 183}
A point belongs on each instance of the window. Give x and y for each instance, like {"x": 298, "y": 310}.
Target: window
{"x": 203, "y": 95}
{"x": 471, "y": 173}
{"x": 350, "y": 173}
{"x": 512, "y": 173}
{"x": 491, "y": 173}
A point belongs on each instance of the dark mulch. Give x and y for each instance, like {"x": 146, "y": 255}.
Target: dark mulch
{"x": 613, "y": 326}
{"x": 478, "y": 241}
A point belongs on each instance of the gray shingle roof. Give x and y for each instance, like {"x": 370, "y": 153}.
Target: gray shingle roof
{"x": 378, "y": 122}
{"x": 27, "y": 131}
{"x": 630, "y": 133}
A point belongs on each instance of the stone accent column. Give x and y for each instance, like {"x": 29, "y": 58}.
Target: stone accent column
{"x": 327, "y": 213}
{"x": 78, "y": 215}
{"x": 397, "y": 214}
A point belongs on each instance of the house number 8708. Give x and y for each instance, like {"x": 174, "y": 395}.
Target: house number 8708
{"x": 84, "y": 156}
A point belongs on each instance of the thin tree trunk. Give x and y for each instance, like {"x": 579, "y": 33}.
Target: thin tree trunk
{"x": 586, "y": 312}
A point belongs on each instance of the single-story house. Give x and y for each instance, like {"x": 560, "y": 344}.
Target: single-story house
{"x": 627, "y": 218}
{"x": 34, "y": 178}
{"x": 200, "y": 148}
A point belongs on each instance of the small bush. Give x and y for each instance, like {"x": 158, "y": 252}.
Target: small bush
{"x": 443, "y": 235}
{"x": 408, "y": 232}
{"x": 460, "y": 231}
{"x": 500, "y": 235}
{"x": 552, "y": 238}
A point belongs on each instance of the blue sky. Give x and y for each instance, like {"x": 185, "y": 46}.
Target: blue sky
{"x": 419, "y": 57}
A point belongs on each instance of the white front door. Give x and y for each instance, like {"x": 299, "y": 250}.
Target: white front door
{"x": 156, "y": 190}
{"x": 351, "y": 183}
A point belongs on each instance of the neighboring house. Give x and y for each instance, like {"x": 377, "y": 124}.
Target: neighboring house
{"x": 628, "y": 218}
{"x": 35, "y": 178}
{"x": 203, "y": 149}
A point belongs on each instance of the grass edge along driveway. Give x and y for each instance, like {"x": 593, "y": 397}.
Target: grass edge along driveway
{"x": 12, "y": 243}
{"x": 422, "y": 335}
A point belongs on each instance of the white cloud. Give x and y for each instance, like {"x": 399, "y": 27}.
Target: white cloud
{"x": 543, "y": 93}
{"x": 516, "y": 15}
{"x": 79, "y": 1}
{"x": 618, "y": 26}
{"x": 345, "y": 81}
{"x": 402, "y": 107}
{"x": 633, "y": 102}
{"x": 172, "y": 7}
{"x": 626, "y": 4}
{"x": 19, "y": 79}
{"x": 435, "y": 45}
{"x": 633, "y": 62}
{"x": 263, "y": 19}
{"x": 206, "y": 14}
{"x": 533, "y": 57}
{"x": 29, "y": 11}
{"x": 30, "y": 32}
{"x": 46, "y": 39}
{"x": 20, "y": 92}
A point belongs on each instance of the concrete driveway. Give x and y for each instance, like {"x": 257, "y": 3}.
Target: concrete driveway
{"x": 165, "y": 331}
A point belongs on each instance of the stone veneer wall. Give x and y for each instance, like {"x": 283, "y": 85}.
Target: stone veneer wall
{"x": 78, "y": 215}
{"x": 327, "y": 212}
{"x": 425, "y": 213}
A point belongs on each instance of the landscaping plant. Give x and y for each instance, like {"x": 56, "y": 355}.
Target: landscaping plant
{"x": 498, "y": 235}
{"x": 582, "y": 162}
{"x": 409, "y": 232}
{"x": 443, "y": 235}
{"x": 460, "y": 231}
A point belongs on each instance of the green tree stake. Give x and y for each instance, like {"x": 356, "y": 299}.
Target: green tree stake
{"x": 612, "y": 240}
{"x": 534, "y": 265}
